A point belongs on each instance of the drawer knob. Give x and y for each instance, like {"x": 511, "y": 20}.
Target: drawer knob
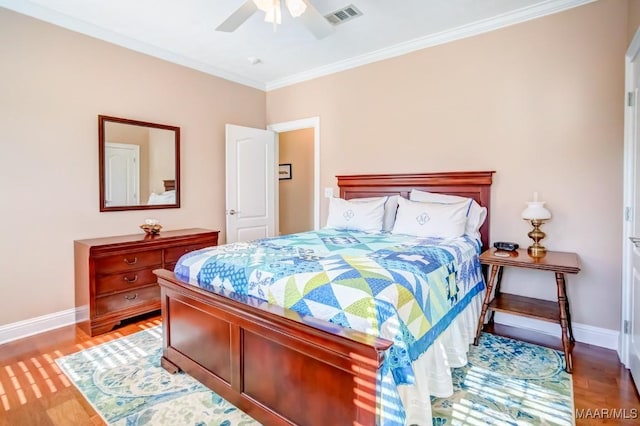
{"x": 131, "y": 262}
{"x": 134, "y": 297}
{"x": 131, "y": 280}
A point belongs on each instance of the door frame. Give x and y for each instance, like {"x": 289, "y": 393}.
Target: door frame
{"x": 304, "y": 123}
{"x": 628, "y": 200}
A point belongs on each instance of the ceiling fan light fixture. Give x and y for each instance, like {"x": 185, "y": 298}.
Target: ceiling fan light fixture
{"x": 274, "y": 15}
{"x": 308, "y": 15}
{"x": 273, "y": 11}
{"x": 266, "y": 5}
{"x": 296, "y": 7}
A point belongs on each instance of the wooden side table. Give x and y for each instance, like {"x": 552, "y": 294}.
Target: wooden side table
{"x": 557, "y": 262}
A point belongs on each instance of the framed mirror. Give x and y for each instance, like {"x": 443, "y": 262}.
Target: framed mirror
{"x": 139, "y": 164}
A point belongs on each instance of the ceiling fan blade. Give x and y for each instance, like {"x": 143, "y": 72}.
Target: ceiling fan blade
{"x": 238, "y": 17}
{"x": 316, "y": 22}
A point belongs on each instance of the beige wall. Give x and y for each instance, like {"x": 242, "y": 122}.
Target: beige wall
{"x": 162, "y": 160}
{"x": 296, "y": 195}
{"x": 633, "y": 19}
{"x": 53, "y": 85}
{"x": 541, "y": 103}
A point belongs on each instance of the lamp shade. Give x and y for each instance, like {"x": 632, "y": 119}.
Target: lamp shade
{"x": 536, "y": 211}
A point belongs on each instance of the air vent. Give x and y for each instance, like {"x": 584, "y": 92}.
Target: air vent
{"x": 343, "y": 15}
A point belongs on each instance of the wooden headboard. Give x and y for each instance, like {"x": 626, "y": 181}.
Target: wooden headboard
{"x": 169, "y": 184}
{"x": 476, "y": 185}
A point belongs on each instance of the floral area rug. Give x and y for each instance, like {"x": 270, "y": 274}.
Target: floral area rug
{"x": 123, "y": 381}
{"x": 506, "y": 382}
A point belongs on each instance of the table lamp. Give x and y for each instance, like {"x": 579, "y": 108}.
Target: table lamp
{"x": 537, "y": 214}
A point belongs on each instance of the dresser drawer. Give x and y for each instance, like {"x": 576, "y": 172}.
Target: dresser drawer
{"x": 172, "y": 254}
{"x": 124, "y": 281}
{"x": 128, "y": 262}
{"x": 129, "y": 299}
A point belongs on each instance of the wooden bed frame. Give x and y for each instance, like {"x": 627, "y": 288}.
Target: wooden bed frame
{"x": 278, "y": 367}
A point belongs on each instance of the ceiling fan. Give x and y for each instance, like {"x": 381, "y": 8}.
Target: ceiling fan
{"x": 309, "y": 15}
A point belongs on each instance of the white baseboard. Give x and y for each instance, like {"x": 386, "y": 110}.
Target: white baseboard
{"x": 20, "y": 329}
{"x": 583, "y": 333}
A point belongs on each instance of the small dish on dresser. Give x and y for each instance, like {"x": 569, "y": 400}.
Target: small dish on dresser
{"x": 151, "y": 227}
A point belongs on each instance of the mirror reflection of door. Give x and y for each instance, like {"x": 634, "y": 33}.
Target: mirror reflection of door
{"x": 296, "y": 195}
{"x": 122, "y": 168}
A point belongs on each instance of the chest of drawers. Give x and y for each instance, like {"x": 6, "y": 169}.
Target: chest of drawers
{"x": 113, "y": 275}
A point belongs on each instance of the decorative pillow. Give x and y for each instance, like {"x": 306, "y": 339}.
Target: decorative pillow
{"x": 476, "y": 217}
{"x": 359, "y": 216}
{"x": 390, "y": 209}
{"x": 431, "y": 219}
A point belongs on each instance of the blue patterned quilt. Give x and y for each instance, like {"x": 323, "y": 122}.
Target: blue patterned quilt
{"x": 403, "y": 288}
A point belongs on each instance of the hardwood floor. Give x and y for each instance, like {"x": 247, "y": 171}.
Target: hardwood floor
{"x": 33, "y": 391}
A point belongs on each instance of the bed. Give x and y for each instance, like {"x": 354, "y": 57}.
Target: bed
{"x": 283, "y": 367}
{"x": 168, "y": 196}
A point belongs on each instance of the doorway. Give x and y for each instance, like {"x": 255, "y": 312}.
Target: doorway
{"x": 295, "y": 181}
{"x": 302, "y": 147}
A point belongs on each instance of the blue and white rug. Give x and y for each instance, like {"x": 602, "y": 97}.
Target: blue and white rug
{"x": 123, "y": 381}
{"x": 506, "y": 382}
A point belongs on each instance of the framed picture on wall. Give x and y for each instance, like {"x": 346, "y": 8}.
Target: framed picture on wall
{"x": 284, "y": 171}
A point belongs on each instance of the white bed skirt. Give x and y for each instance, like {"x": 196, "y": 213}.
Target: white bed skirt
{"x": 433, "y": 368}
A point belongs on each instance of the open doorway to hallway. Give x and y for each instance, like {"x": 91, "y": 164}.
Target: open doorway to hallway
{"x": 310, "y": 132}
{"x": 296, "y": 181}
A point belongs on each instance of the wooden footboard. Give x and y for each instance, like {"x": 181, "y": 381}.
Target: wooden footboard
{"x": 278, "y": 367}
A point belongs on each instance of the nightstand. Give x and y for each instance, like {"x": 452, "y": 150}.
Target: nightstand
{"x": 560, "y": 263}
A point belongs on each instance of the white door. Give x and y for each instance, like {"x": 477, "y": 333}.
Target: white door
{"x": 630, "y": 342}
{"x": 634, "y": 329}
{"x": 251, "y": 176}
{"x": 122, "y": 183}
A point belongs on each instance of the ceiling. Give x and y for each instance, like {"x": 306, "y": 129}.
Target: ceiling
{"x": 183, "y": 31}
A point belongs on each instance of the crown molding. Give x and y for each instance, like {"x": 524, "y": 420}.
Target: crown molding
{"x": 507, "y": 19}
{"x": 91, "y": 30}
{"x": 479, "y": 27}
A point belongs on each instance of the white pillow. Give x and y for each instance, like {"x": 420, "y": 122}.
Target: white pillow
{"x": 359, "y": 216}
{"x": 167, "y": 197}
{"x": 431, "y": 219}
{"x": 390, "y": 209}
{"x": 476, "y": 217}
